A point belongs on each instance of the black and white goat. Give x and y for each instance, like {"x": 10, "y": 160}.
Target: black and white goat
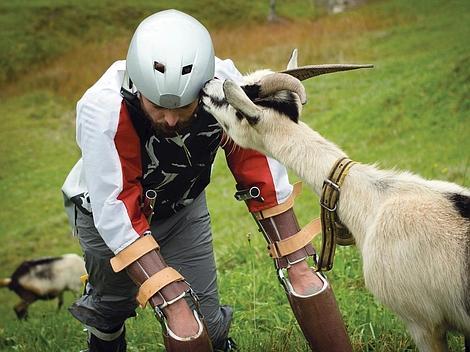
{"x": 413, "y": 234}
{"x": 45, "y": 279}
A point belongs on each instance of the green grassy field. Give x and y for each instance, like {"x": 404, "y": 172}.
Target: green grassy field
{"x": 410, "y": 112}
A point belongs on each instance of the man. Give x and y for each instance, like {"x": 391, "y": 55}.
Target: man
{"x": 144, "y": 138}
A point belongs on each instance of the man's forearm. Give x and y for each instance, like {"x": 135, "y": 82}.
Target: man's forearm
{"x": 164, "y": 289}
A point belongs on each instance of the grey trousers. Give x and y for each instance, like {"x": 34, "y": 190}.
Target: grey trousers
{"x": 185, "y": 241}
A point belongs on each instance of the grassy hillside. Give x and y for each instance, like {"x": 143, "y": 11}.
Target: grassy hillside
{"x": 410, "y": 112}
{"x": 35, "y": 32}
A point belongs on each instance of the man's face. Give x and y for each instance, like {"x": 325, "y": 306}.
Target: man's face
{"x": 168, "y": 121}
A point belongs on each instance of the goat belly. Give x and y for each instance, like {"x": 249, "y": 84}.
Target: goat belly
{"x": 38, "y": 277}
{"x": 43, "y": 288}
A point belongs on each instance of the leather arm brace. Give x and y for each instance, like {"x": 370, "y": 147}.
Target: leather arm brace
{"x": 288, "y": 244}
{"x": 283, "y": 247}
{"x": 158, "y": 283}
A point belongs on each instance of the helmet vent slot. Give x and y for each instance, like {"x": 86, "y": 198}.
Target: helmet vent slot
{"x": 159, "y": 67}
{"x": 186, "y": 69}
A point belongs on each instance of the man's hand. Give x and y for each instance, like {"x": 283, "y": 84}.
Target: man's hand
{"x": 303, "y": 279}
{"x": 181, "y": 319}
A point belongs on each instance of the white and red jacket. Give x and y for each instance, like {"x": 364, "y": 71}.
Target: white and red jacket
{"x": 122, "y": 156}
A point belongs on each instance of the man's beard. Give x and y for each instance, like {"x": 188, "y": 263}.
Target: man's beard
{"x": 163, "y": 129}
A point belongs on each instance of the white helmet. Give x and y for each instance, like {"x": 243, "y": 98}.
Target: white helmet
{"x": 170, "y": 58}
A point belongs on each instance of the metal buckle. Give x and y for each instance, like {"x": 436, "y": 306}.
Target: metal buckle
{"x": 326, "y": 207}
{"x": 159, "y": 309}
{"x": 195, "y": 300}
{"x": 295, "y": 261}
{"x": 336, "y": 187}
{"x": 249, "y": 193}
{"x": 282, "y": 279}
{"x": 149, "y": 204}
{"x": 332, "y": 184}
{"x": 159, "y": 315}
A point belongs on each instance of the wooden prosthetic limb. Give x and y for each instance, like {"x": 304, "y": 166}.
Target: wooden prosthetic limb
{"x": 317, "y": 314}
{"x": 160, "y": 286}
{"x": 319, "y": 318}
{"x": 201, "y": 342}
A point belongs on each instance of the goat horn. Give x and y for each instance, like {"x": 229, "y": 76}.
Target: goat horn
{"x": 275, "y": 82}
{"x": 237, "y": 98}
{"x": 306, "y": 72}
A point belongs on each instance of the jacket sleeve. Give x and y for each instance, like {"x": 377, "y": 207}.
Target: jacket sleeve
{"x": 251, "y": 168}
{"x": 112, "y": 167}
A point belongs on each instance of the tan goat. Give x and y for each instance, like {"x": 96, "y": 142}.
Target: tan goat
{"x": 413, "y": 234}
{"x": 45, "y": 279}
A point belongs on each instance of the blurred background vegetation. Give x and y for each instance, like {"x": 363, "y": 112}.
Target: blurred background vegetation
{"x": 410, "y": 112}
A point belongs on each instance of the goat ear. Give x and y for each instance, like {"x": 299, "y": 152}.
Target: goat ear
{"x": 293, "y": 60}
{"x": 251, "y": 120}
{"x": 237, "y": 98}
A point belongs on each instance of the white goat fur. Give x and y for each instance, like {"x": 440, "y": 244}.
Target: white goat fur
{"x": 44, "y": 279}
{"x": 413, "y": 241}
{"x": 66, "y": 276}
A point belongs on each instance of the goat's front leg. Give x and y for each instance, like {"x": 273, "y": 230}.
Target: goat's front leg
{"x": 60, "y": 297}
{"x": 21, "y": 310}
{"x": 428, "y": 340}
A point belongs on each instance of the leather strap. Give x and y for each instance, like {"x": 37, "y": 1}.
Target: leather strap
{"x": 332, "y": 228}
{"x": 133, "y": 252}
{"x": 280, "y": 208}
{"x": 156, "y": 282}
{"x": 291, "y": 244}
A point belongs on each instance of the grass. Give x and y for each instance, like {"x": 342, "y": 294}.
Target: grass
{"x": 410, "y": 112}
{"x": 35, "y": 32}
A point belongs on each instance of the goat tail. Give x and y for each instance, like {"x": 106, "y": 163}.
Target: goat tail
{"x": 5, "y": 282}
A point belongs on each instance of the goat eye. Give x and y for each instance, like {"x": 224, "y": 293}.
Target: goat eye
{"x": 252, "y": 90}
{"x": 252, "y": 120}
